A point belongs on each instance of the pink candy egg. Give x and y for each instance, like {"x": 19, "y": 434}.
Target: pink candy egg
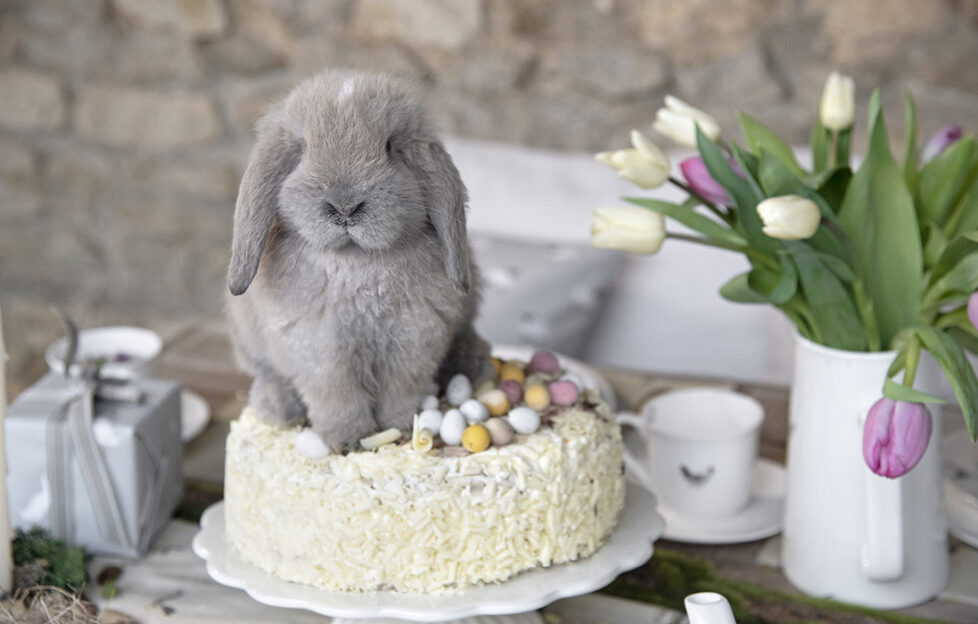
{"x": 512, "y": 389}
{"x": 564, "y": 393}
{"x": 545, "y": 362}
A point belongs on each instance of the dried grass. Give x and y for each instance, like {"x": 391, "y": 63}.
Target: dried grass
{"x": 46, "y": 605}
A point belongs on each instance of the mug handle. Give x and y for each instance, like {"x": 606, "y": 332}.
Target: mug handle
{"x": 632, "y": 463}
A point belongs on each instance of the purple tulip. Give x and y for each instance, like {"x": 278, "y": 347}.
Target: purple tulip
{"x": 973, "y": 309}
{"x": 895, "y": 436}
{"x": 940, "y": 141}
{"x": 699, "y": 179}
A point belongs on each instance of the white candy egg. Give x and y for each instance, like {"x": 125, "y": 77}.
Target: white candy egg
{"x": 452, "y": 427}
{"x": 459, "y": 390}
{"x": 474, "y": 411}
{"x": 524, "y": 419}
{"x": 310, "y": 445}
{"x": 429, "y": 402}
{"x": 430, "y": 419}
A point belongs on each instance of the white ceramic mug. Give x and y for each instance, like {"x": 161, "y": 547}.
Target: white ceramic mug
{"x": 700, "y": 446}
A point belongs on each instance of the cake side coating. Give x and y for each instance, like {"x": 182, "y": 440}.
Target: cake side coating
{"x": 409, "y": 521}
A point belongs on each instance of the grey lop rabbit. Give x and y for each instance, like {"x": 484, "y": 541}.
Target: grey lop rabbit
{"x": 350, "y": 261}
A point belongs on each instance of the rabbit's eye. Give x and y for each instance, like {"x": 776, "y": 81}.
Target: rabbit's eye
{"x": 389, "y": 147}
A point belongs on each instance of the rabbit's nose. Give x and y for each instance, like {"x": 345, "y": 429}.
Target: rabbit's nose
{"x": 344, "y": 211}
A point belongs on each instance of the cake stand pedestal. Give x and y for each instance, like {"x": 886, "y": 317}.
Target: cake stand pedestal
{"x": 628, "y": 547}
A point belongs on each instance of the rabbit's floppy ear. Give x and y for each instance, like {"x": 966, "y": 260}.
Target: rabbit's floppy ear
{"x": 274, "y": 156}
{"x": 446, "y": 209}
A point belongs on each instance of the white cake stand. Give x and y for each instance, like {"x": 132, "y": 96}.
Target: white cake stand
{"x": 628, "y": 547}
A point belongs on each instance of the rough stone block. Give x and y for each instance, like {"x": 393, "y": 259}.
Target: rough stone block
{"x": 30, "y": 100}
{"x": 203, "y": 19}
{"x": 611, "y": 72}
{"x": 448, "y": 24}
{"x": 144, "y": 118}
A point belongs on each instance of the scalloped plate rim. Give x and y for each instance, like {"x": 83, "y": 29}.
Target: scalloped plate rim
{"x": 219, "y": 556}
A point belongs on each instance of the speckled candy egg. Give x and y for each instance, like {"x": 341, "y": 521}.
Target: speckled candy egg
{"x": 512, "y": 372}
{"x": 564, "y": 392}
{"x": 496, "y": 401}
{"x": 512, "y": 389}
{"x": 544, "y": 362}
{"x": 430, "y": 419}
{"x": 452, "y": 427}
{"x": 475, "y": 438}
{"x": 538, "y": 397}
{"x": 474, "y": 411}
{"x": 500, "y": 431}
{"x": 524, "y": 419}
{"x": 458, "y": 390}
{"x": 429, "y": 402}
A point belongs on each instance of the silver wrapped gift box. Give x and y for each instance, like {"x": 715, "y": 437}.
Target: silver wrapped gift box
{"x": 104, "y": 475}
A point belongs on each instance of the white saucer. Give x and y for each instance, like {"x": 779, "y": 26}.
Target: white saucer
{"x": 761, "y": 518}
{"x": 628, "y": 547}
{"x": 961, "y": 486}
{"x": 194, "y": 415}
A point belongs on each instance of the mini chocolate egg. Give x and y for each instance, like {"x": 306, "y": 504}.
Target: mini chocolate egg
{"x": 429, "y": 402}
{"x": 524, "y": 419}
{"x": 452, "y": 427}
{"x": 513, "y": 390}
{"x": 474, "y": 411}
{"x": 496, "y": 401}
{"x": 500, "y": 431}
{"x": 475, "y": 438}
{"x": 512, "y": 371}
{"x": 310, "y": 445}
{"x": 458, "y": 390}
{"x": 537, "y": 396}
{"x": 496, "y": 364}
{"x": 484, "y": 386}
{"x": 564, "y": 392}
{"x": 430, "y": 419}
{"x": 544, "y": 362}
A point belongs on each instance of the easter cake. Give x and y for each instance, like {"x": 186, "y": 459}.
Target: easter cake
{"x": 522, "y": 470}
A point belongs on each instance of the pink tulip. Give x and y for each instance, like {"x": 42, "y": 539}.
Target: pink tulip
{"x": 895, "y": 436}
{"x": 940, "y": 141}
{"x": 699, "y": 179}
{"x": 973, "y": 309}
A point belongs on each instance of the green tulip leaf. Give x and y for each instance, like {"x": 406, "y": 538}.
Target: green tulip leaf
{"x": 820, "y": 147}
{"x": 966, "y": 339}
{"x": 879, "y": 217}
{"x": 738, "y": 290}
{"x": 759, "y": 138}
{"x": 842, "y": 147}
{"x": 691, "y": 219}
{"x": 957, "y": 369}
{"x": 900, "y": 392}
{"x": 935, "y": 245}
{"x": 954, "y": 252}
{"x": 744, "y": 196}
{"x": 910, "y": 139}
{"x": 962, "y": 278}
{"x": 964, "y": 215}
{"x": 833, "y": 312}
{"x": 832, "y": 187}
{"x": 942, "y": 179}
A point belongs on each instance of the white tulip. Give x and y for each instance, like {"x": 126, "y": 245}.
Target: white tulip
{"x": 678, "y": 121}
{"x": 626, "y": 228}
{"x": 789, "y": 217}
{"x": 838, "y": 106}
{"x": 644, "y": 165}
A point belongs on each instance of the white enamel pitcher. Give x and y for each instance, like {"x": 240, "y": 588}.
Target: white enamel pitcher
{"x": 708, "y": 608}
{"x": 850, "y": 534}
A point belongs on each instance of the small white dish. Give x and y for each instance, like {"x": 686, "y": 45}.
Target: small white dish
{"x": 760, "y": 519}
{"x": 590, "y": 377}
{"x": 194, "y": 415}
{"x": 128, "y": 351}
{"x": 628, "y": 547}
{"x": 961, "y": 486}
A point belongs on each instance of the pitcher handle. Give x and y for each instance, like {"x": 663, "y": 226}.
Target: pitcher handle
{"x": 882, "y": 553}
{"x": 632, "y": 463}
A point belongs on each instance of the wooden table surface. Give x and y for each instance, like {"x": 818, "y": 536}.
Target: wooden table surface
{"x": 199, "y": 355}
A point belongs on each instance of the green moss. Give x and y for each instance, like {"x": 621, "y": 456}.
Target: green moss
{"x": 51, "y": 561}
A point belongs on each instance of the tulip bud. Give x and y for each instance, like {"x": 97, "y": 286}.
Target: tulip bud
{"x": 895, "y": 436}
{"x": 699, "y": 179}
{"x": 678, "y": 121}
{"x": 940, "y": 141}
{"x": 973, "y": 309}
{"x": 627, "y": 228}
{"x": 789, "y": 217}
{"x": 838, "y": 106}
{"x": 644, "y": 165}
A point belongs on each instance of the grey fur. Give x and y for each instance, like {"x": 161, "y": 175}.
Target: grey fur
{"x": 344, "y": 319}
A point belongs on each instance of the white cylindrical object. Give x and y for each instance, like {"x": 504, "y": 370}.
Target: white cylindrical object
{"x": 6, "y": 560}
{"x": 708, "y": 608}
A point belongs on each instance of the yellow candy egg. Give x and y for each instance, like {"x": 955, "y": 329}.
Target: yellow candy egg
{"x": 475, "y": 438}
{"x": 496, "y": 401}
{"x": 496, "y": 364}
{"x": 510, "y": 371}
{"x": 537, "y": 397}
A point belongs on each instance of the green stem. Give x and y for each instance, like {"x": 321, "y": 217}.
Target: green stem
{"x": 711, "y": 242}
{"x": 709, "y": 205}
{"x": 834, "y": 148}
{"x": 913, "y": 360}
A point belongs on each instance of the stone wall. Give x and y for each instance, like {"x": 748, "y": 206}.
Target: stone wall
{"x": 125, "y": 124}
